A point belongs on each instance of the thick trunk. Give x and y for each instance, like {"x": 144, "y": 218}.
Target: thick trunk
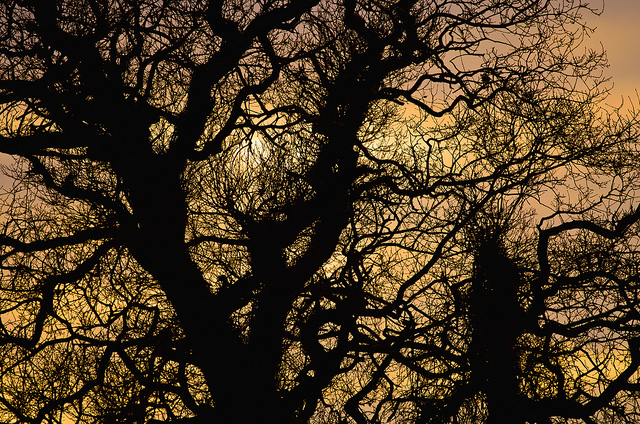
{"x": 157, "y": 241}
{"x": 497, "y": 322}
{"x": 242, "y": 375}
{"x": 242, "y": 372}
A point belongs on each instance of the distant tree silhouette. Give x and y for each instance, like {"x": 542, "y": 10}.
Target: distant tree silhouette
{"x": 334, "y": 211}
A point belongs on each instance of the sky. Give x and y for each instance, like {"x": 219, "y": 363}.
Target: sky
{"x": 618, "y": 29}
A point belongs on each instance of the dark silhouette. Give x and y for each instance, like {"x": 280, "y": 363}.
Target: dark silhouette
{"x": 313, "y": 211}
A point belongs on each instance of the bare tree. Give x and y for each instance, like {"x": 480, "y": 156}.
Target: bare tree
{"x": 250, "y": 211}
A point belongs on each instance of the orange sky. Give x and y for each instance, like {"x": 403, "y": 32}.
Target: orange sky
{"x": 618, "y": 30}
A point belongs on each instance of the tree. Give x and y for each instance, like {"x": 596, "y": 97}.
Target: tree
{"x": 250, "y": 211}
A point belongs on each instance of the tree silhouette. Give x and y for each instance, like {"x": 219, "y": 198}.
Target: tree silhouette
{"x": 313, "y": 211}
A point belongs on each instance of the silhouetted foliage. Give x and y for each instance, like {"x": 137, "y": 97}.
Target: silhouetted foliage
{"x": 333, "y": 211}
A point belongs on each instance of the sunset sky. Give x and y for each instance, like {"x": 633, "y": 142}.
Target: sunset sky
{"x": 618, "y": 30}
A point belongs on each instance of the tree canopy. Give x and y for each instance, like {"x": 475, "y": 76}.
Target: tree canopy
{"x": 314, "y": 211}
